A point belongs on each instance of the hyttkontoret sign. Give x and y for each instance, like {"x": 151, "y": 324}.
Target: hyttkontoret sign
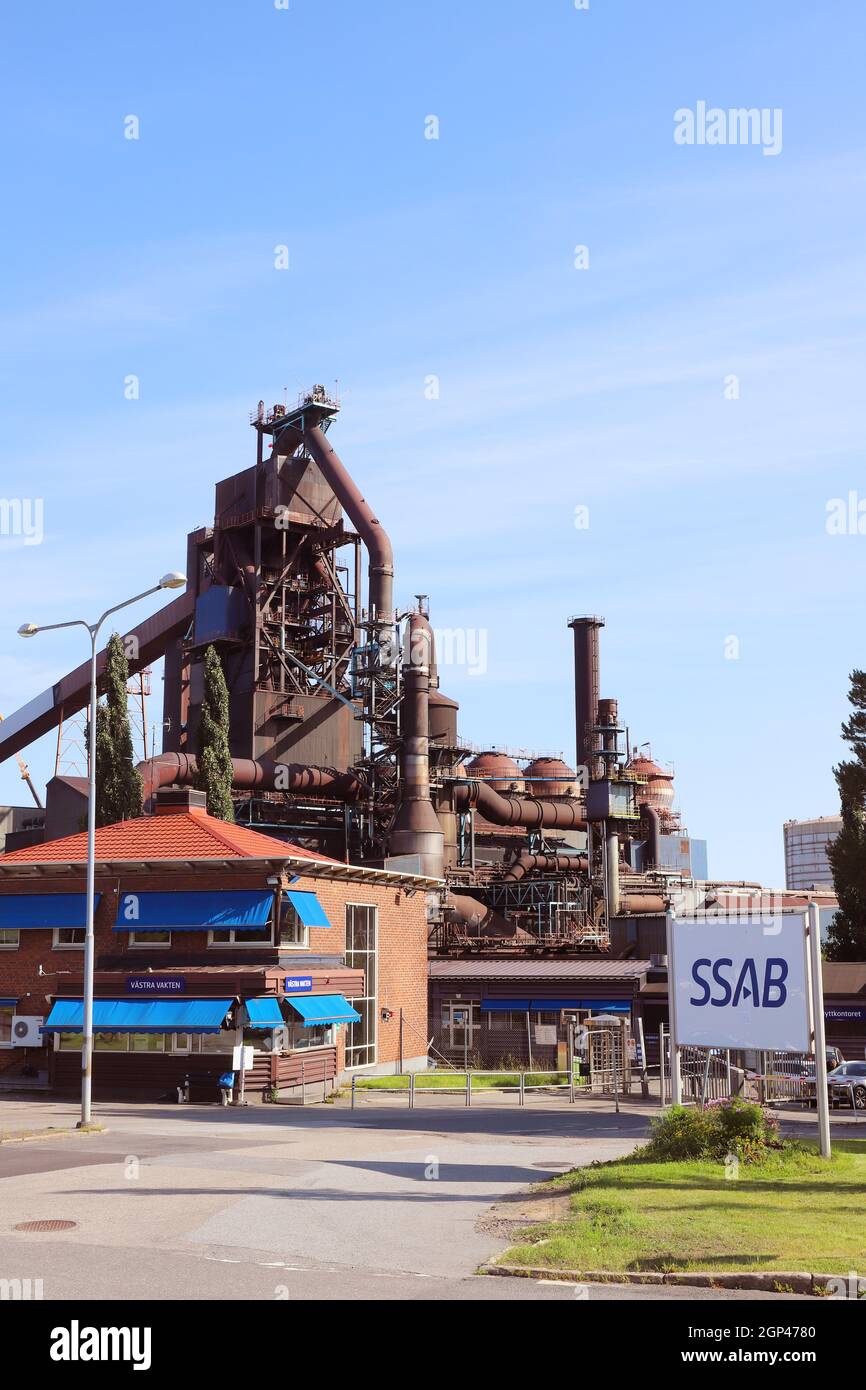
{"x": 741, "y": 982}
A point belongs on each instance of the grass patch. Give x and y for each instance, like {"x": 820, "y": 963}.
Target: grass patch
{"x": 794, "y": 1211}
{"x": 14, "y": 1136}
{"x": 456, "y": 1081}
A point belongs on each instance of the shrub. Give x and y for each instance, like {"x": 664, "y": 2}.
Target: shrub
{"x": 725, "y": 1127}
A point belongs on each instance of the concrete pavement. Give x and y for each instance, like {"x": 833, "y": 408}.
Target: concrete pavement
{"x": 278, "y": 1202}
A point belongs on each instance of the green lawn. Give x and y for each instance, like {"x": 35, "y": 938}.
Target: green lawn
{"x": 456, "y": 1081}
{"x": 796, "y": 1212}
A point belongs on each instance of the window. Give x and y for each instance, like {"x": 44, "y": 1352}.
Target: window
{"x": 361, "y": 934}
{"x": 234, "y": 936}
{"x": 301, "y": 1037}
{"x": 110, "y": 1042}
{"x": 183, "y": 1043}
{"x": 149, "y": 938}
{"x": 6, "y": 1012}
{"x": 501, "y": 1021}
{"x": 66, "y": 937}
{"x": 293, "y": 932}
{"x": 8, "y": 938}
{"x": 546, "y": 1017}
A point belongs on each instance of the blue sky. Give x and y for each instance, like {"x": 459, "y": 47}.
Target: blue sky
{"x": 559, "y": 388}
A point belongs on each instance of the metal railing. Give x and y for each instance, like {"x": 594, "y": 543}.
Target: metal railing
{"x": 572, "y": 1086}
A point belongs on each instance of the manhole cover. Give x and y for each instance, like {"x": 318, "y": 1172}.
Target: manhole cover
{"x": 45, "y": 1226}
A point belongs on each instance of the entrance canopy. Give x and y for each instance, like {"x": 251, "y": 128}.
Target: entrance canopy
{"x": 139, "y": 1015}
{"x": 318, "y": 1009}
{"x": 37, "y": 911}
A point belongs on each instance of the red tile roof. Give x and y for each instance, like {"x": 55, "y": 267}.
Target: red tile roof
{"x": 186, "y": 835}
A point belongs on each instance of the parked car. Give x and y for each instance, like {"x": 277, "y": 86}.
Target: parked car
{"x": 807, "y": 1075}
{"x": 848, "y": 1083}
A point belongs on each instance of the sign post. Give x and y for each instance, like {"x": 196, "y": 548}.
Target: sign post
{"x": 750, "y": 982}
{"x": 822, "y": 1096}
{"x": 673, "y": 1031}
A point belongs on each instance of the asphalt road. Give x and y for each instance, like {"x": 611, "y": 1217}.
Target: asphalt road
{"x": 275, "y": 1202}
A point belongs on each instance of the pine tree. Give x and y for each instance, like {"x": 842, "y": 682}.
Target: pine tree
{"x": 118, "y": 785}
{"x": 214, "y": 775}
{"x": 846, "y": 939}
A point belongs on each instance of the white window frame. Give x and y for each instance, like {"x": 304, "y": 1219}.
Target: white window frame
{"x": 372, "y": 996}
{"x": 237, "y": 938}
{"x": 58, "y": 945}
{"x": 172, "y": 1051}
{"x": 143, "y": 944}
{"x": 11, "y": 945}
{"x": 303, "y": 945}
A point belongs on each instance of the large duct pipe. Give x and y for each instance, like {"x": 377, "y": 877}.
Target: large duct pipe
{"x": 545, "y": 863}
{"x": 586, "y": 686}
{"x": 506, "y": 809}
{"x": 652, "y": 845}
{"x": 416, "y": 828}
{"x": 181, "y": 768}
{"x": 644, "y": 903}
{"x": 477, "y": 916}
{"x": 366, "y": 523}
{"x": 612, "y": 892}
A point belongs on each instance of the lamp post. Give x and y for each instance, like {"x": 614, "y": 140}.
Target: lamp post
{"x": 173, "y": 580}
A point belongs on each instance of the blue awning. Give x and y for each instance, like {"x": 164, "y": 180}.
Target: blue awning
{"x": 316, "y": 1009}
{"x": 308, "y": 908}
{"x": 264, "y": 1013}
{"x": 247, "y": 910}
{"x": 139, "y": 1016}
{"x": 4, "y": 1003}
{"x": 598, "y": 1006}
{"x": 32, "y": 911}
{"x": 502, "y": 1006}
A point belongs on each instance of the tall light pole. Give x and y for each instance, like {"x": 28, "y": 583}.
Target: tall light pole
{"x": 173, "y": 580}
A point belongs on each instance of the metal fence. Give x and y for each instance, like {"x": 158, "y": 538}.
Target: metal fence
{"x": 513, "y": 1084}
{"x": 710, "y": 1074}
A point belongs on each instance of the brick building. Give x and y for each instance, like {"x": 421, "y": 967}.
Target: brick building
{"x": 208, "y": 935}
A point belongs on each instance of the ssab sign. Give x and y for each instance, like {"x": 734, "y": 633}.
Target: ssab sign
{"x": 741, "y": 983}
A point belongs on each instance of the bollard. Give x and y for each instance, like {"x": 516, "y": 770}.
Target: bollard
{"x": 468, "y": 1088}
{"x": 354, "y": 1079}
{"x": 522, "y": 1100}
{"x": 411, "y": 1090}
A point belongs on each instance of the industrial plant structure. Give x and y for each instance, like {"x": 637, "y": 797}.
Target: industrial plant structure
{"x": 341, "y": 738}
{"x": 344, "y": 745}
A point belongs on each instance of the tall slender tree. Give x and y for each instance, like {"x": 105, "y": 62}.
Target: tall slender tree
{"x": 214, "y": 775}
{"x": 118, "y": 784}
{"x": 846, "y": 939}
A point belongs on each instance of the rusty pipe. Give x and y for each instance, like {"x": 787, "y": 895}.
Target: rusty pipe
{"x": 655, "y": 903}
{"x": 366, "y": 523}
{"x": 545, "y": 863}
{"x": 181, "y": 768}
{"x": 652, "y": 850}
{"x": 506, "y": 809}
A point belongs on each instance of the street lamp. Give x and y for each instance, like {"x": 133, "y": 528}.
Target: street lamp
{"x": 173, "y": 580}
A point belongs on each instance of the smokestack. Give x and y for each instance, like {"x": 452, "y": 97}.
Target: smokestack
{"x": 416, "y": 827}
{"x": 586, "y": 684}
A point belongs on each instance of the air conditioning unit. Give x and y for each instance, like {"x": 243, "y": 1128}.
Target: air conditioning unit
{"x": 25, "y": 1030}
